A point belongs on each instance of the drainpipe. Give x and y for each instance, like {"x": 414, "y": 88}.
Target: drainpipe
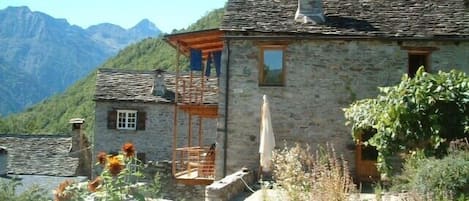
{"x": 227, "y": 89}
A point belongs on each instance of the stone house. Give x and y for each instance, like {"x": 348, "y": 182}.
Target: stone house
{"x": 314, "y": 57}
{"x": 310, "y": 57}
{"x": 138, "y": 107}
{"x": 45, "y": 160}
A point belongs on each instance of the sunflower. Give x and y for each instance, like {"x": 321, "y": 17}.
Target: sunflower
{"x": 114, "y": 165}
{"x": 60, "y": 194}
{"x": 102, "y": 158}
{"x": 92, "y": 185}
{"x": 128, "y": 149}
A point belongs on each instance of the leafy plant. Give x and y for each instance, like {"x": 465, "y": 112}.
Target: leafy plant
{"x": 423, "y": 113}
{"x": 8, "y": 192}
{"x": 118, "y": 180}
{"x": 439, "y": 179}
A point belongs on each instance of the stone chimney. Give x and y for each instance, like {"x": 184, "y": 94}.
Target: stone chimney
{"x": 3, "y": 161}
{"x": 80, "y": 148}
{"x": 159, "y": 88}
{"x": 77, "y": 134}
{"x": 310, "y": 11}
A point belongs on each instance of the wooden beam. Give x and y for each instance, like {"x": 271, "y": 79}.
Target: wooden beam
{"x": 201, "y": 110}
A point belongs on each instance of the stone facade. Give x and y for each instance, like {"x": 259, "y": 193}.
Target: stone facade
{"x": 169, "y": 187}
{"x": 322, "y": 77}
{"x": 156, "y": 140}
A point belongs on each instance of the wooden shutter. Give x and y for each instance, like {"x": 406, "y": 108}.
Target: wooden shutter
{"x": 112, "y": 119}
{"x": 141, "y": 119}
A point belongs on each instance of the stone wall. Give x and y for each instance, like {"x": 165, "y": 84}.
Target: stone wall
{"x": 170, "y": 188}
{"x": 322, "y": 77}
{"x": 230, "y": 186}
{"x": 156, "y": 140}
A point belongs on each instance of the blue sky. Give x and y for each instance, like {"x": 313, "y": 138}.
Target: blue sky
{"x": 166, "y": 14}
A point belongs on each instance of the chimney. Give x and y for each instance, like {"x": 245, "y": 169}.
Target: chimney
{"x": 3, "y": 161}
{"x": 310, "y": 11}
{"x": 80, "y": 148}
{"x": 77, "y": 134}
{"x": 159, "y": 89}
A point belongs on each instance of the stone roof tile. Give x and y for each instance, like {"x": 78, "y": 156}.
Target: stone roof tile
{"x": 373, "y": 18}
{"x": 137, "y": 86}
{"x": 39, "y": 155}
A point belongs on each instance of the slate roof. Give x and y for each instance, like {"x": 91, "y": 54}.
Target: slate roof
{"x": 369, "y": 18}
{"x": 39, "y": 155}
{"x": 137, "y": 86}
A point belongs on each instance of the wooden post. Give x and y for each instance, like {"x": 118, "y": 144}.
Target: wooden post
{"x": 175, "y": 122}
{"x": 189, "y": 140}
{"x": 200, "y": 131}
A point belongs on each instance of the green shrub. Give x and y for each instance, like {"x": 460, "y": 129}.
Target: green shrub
{"x": 425, "y": 112}
{"x": 8, "y": 192}
{"x": 439, "y": 179}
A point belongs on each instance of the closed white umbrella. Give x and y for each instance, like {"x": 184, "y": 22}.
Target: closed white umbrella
{"x": 267, "y": 141}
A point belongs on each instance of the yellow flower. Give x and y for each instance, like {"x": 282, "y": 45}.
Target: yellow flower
{"x": 114, "y": 165}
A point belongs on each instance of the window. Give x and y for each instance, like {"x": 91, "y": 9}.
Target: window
{"x": 272, "y": 69}
{"x": 418, "y": 56}
{"x": 126, "y": 119}
{"x": 417, "y": 59}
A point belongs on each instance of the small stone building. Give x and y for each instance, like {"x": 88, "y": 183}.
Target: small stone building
{"x": 138, "y": 107}
{"x": 314, "y": 57}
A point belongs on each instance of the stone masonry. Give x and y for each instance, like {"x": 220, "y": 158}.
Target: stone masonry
{"x": 322, "y": 77}
{"x": 156, "y": 140}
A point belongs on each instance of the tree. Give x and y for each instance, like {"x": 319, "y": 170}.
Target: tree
{"x": 423, "y": 113}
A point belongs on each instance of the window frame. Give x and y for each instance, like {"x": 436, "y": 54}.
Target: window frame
{"x": 127, "y": 118}
{"x": 263, "y": 48}
{"x": 420, "y": 51}
{"x": 426, "y": 64}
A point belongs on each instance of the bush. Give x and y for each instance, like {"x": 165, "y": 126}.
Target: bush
{"x": 8, "y": 192}
{"x": 425, "y": 112}
{"x": 304, "y": 176}
{"x": 438, "y": 179}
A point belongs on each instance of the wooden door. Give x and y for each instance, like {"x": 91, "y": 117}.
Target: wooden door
{"x": 366, "y": 158}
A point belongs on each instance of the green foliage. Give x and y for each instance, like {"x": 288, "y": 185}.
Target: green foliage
{"x": 8, "y": 189}
{"x": 118, "y": 181}
{"x": 425, "y": 112}
{"x": 52, "y": 115}
{"x": 439, "y": 179}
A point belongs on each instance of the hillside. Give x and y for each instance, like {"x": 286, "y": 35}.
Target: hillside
{"x": 51, "y": 116}
{"x": 42, "y": 55}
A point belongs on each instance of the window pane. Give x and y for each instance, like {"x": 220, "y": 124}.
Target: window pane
{"x": 273, "y": 67}
{"x": 127, "y": 119}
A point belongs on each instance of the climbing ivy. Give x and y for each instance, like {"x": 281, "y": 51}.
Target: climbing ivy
{"x": 421, "y": 113}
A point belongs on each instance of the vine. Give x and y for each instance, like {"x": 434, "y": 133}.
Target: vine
{"x": 423, "y": 113}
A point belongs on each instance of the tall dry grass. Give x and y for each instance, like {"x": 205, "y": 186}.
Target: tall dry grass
{"x": 321, "y": 176}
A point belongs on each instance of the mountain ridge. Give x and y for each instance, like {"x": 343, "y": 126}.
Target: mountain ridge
{"x": 51, "y": 116}
{"x": 50, "y": 54}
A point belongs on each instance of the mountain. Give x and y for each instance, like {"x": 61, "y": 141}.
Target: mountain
{"x": 51, "y": 116}
{"x": 42, "y": 55}
{"x": 117, "y": 37}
